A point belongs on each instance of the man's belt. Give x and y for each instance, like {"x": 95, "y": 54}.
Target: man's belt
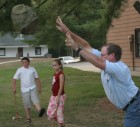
{"x": 133, "y": 99}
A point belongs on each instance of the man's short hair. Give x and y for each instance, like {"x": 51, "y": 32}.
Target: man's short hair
{"x": 114, "y": 48}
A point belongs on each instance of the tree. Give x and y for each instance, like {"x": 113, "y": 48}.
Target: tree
{"x": 88, "y": 18}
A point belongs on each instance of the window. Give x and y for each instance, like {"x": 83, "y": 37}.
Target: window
{"x": 137, "y": 42}
{"x": 2, "y": 51}
{"x": 37, "y": 50}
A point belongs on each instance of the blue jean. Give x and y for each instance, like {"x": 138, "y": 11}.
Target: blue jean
{"x": 132, "y": 114}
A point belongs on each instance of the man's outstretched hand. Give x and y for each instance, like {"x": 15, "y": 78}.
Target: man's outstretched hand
{"x": 70, "y": 42}
{"x": 61, "y": 26}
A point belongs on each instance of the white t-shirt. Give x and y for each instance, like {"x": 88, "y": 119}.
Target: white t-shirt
{"x": 27, "y": 78}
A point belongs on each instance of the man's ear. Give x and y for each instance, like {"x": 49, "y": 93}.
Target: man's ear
{"x": 112, "y": 55}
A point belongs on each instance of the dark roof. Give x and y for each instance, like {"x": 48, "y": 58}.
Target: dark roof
{"x": 9, "y": 40}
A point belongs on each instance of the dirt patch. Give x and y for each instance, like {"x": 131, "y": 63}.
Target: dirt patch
{"x": 106, "y": 105}
{"x": 42, "y": 59}
{"x": 8, "y": 59}
{"x": 71, "y": 125}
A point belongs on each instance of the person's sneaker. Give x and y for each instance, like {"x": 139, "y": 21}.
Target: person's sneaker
{"x": 41, "y": 112}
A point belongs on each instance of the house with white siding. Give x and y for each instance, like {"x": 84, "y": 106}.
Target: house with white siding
{"x": 12, "y": 47}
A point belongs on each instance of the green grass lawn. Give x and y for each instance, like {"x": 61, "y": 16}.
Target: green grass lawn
{"x": 86, "y": 104}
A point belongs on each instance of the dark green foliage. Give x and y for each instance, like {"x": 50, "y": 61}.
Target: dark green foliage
{"x": 90, "y": 19}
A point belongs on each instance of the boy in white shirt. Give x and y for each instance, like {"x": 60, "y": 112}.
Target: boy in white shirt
{"x": 29, "y": 80}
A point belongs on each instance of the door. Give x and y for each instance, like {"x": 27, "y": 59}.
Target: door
{"x": 20, "y": 52}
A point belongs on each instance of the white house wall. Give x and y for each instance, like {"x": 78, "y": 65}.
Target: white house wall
{"x": 31, "y": 52}
{"x": 27, "y": 51}
{"x": 9, "y": 52}
{"x": 44, "y": 51}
